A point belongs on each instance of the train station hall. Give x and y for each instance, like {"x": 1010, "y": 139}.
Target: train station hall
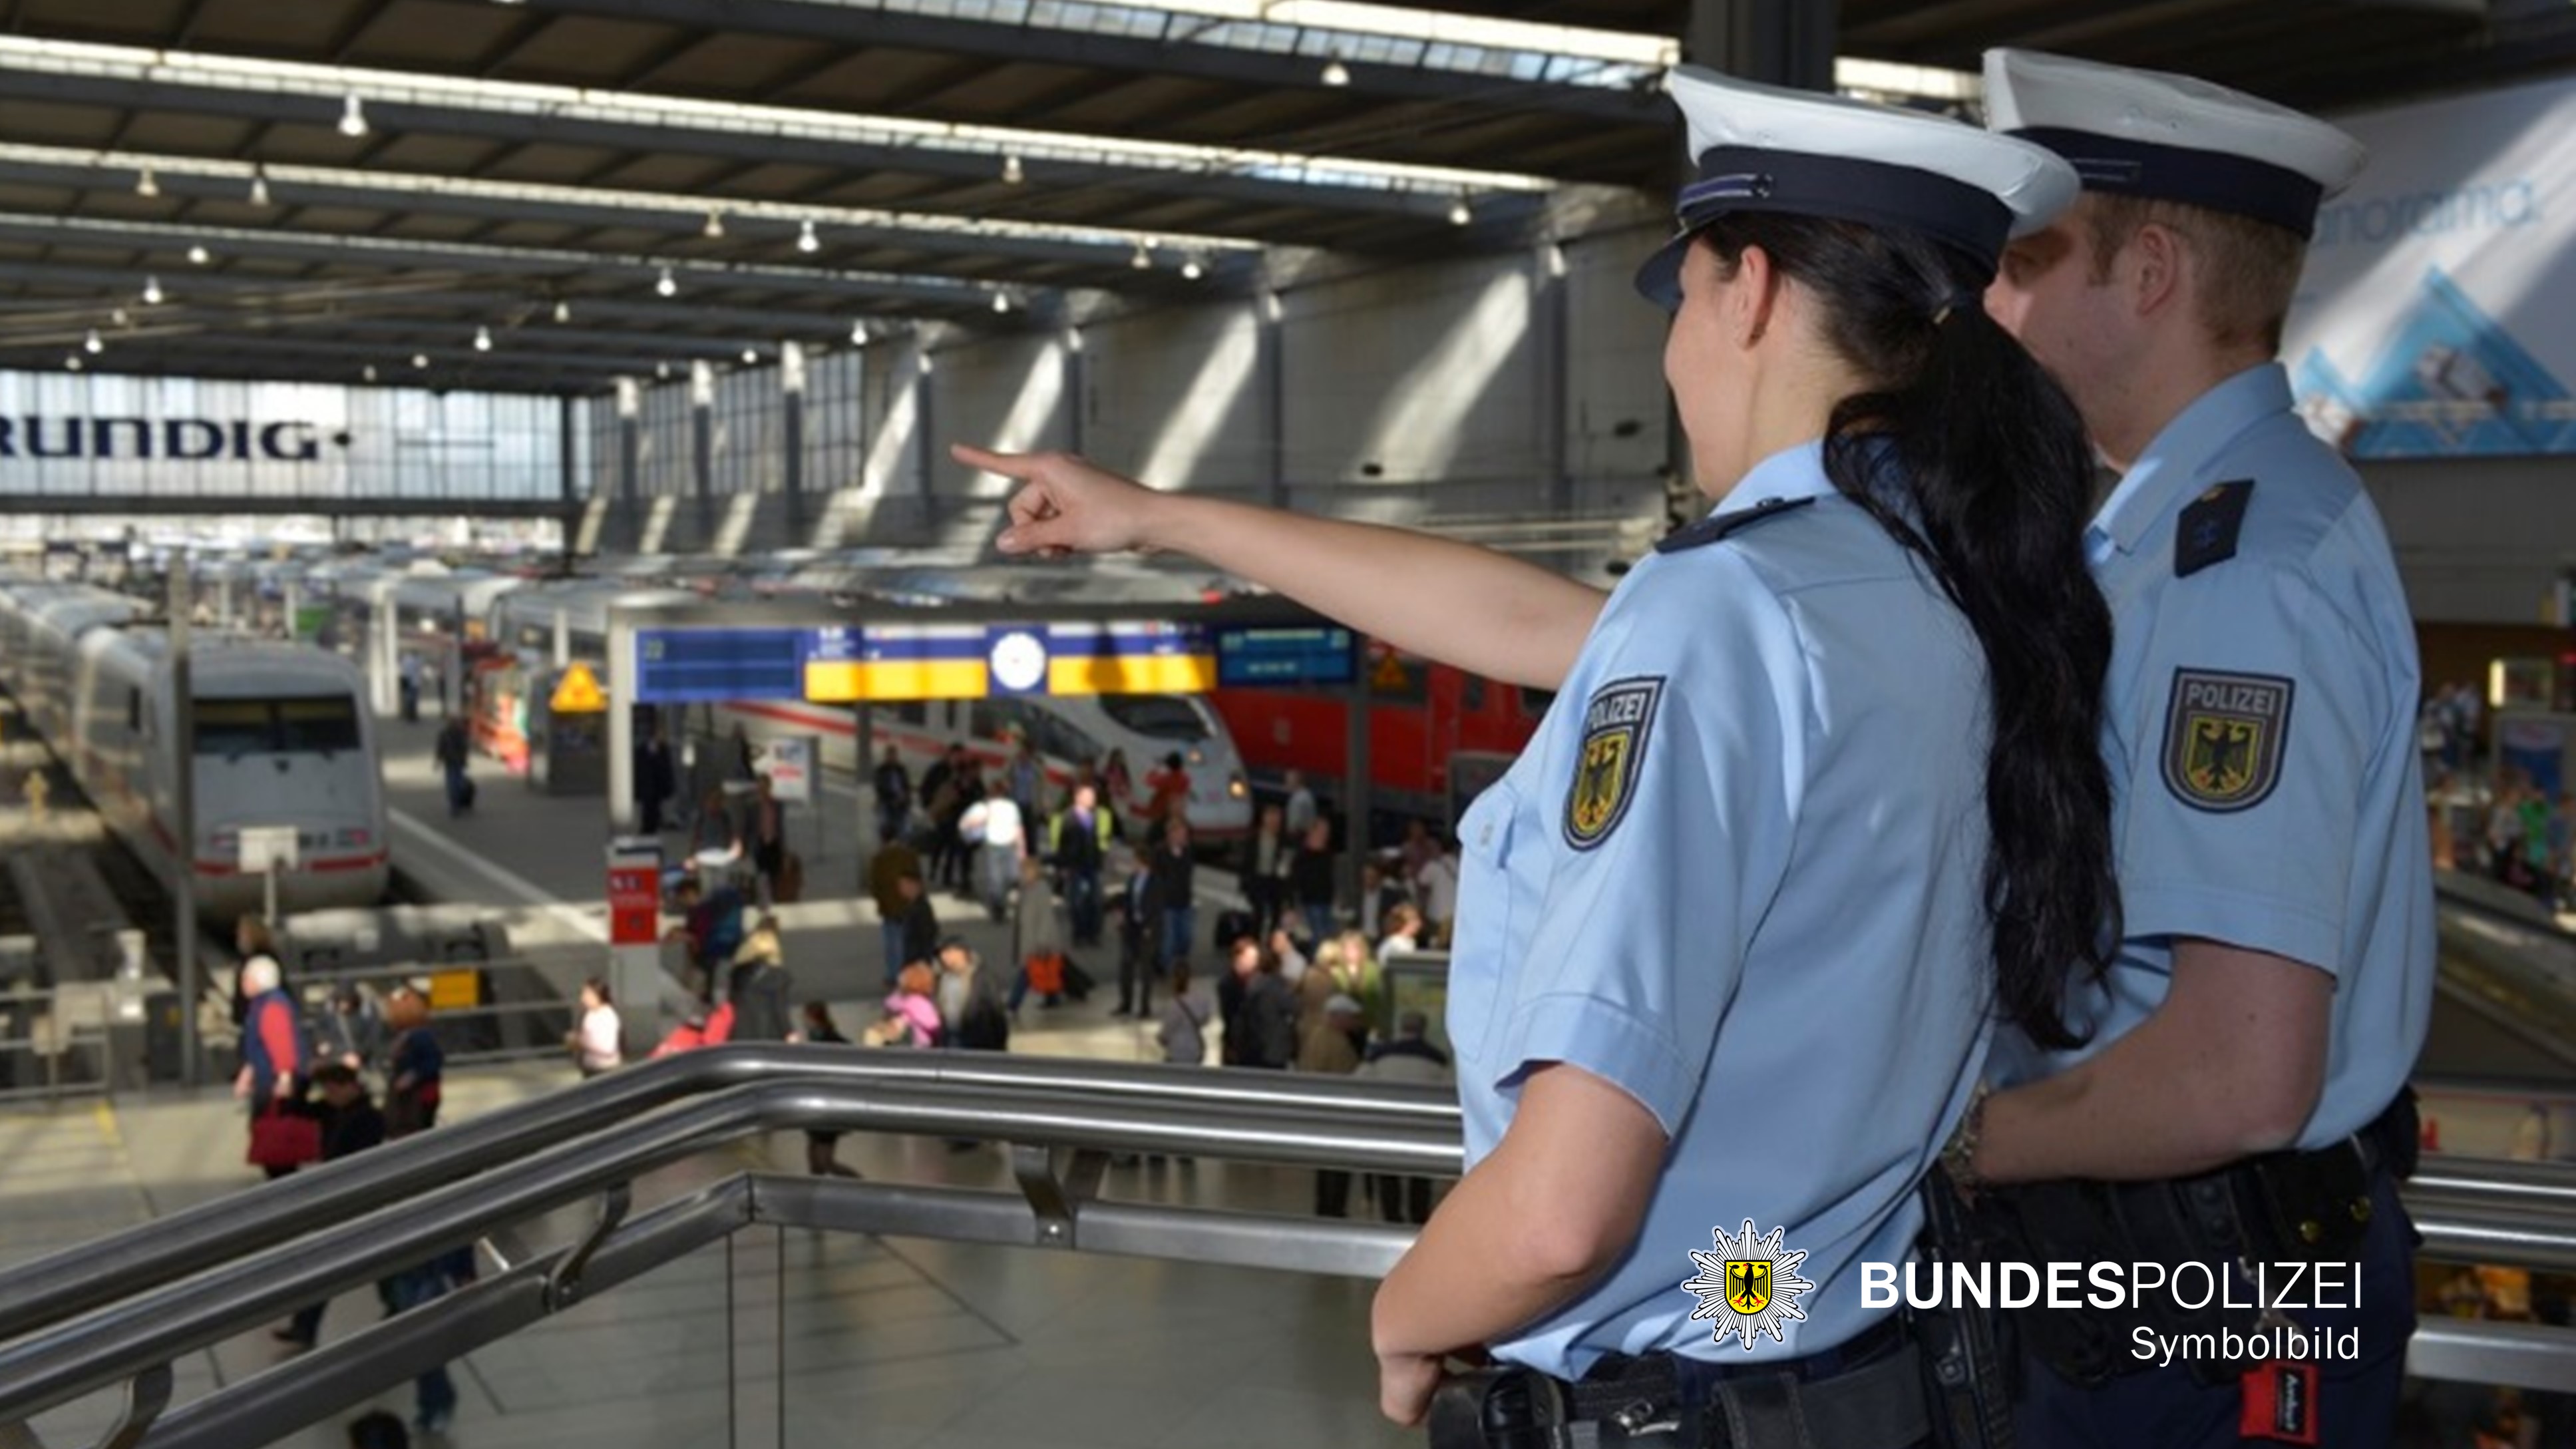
{"x": 1292, "y": 724}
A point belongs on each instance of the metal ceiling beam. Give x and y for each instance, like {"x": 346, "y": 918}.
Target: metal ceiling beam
{"x": 236, "y": 354}
{"x": 844, "y": 156}
{"x": 1140, "y": 55}
{"x": 121, "y": 285}
{"x": 488, "y": 260}
{"x": 1111, "y": 260}
{"x": 181, "y": 505}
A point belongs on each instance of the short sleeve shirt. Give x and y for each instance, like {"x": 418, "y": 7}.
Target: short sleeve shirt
{"x": 2260, "y": 727}
{"x": 1736, "y": 874}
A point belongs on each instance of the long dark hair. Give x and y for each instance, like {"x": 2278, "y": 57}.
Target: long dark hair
{"x": 1996, "y": 482}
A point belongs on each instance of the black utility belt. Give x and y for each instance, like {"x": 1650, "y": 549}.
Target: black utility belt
{"x": 1879, "y": 1402}
{"x": 2280, "y": 1208}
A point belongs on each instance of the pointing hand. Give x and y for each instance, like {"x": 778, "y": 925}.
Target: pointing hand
{"x": 1065, "y": 505}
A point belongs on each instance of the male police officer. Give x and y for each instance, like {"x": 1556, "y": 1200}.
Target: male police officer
{"x": 2245, "y": 1081}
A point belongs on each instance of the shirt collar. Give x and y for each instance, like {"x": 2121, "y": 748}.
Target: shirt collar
{"x": 1797, "y": 471}
{"x": 2169, "y": 470}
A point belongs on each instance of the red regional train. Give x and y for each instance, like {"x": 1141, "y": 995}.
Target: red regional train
{"x": 1437, "y": 736}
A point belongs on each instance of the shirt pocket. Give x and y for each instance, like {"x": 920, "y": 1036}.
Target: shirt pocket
{"x": 1494, "y": 839}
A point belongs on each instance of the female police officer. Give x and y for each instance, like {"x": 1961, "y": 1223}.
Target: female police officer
{"x": 1822, "y": 789}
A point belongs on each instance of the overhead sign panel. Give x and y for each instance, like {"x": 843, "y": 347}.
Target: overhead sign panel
{"x": 972, "y": 661}
{"x": 1322, "y": 654}
{"x": 710, "y": 666}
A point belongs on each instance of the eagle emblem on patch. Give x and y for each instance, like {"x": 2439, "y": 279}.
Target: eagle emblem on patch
{"x": 1615, "y": 725}
{"x": 2224, "y": 736}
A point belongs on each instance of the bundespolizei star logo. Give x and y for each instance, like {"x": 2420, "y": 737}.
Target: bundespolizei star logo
{"x": 1749, "y": 1285}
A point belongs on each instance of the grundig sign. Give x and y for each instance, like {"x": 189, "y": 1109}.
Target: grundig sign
{"x": 186, "y": 439}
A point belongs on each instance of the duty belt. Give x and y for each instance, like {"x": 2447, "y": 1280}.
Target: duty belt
{"x": 1877, "y": 1403}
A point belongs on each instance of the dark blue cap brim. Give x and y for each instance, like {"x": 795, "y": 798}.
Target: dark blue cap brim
{"x": 2216, "y": 180}
{"x": 1837, "y": 188}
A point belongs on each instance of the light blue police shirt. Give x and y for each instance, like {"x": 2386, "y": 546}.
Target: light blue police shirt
{"x": 1753, "y": 904}
{"x": 2260, "y": 722}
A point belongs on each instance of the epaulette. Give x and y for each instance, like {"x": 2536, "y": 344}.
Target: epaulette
{"x": 2207, "y": 531}
{"x": 1710, "y": 530}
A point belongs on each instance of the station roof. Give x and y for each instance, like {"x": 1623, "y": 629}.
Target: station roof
{"x": 544, "y": 195}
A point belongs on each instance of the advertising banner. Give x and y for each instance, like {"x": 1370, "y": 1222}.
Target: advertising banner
{"x": 2430, "y": 321}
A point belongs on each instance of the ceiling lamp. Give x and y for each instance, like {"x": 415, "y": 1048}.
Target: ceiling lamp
{"x": 714, "y": 229}
{"x": 91, "y": 344}
{"x": 420, "y": 360}
{"x": 1012, "y": 175}
{"x": 666, "y": 286}
{"x": 72, "y": 362}
{"x": 353, "y": 117}
{"x": 563, "y": 310}
{"x": 806, "y": 241}
{"x": 198, "y": 256}
{"x": 482, "y": 339}
{"x": 750, "y": 356}
{"x": 152, "y": 293}
{"x": 859, "y": 333}
{"x": 146, "y": 184}
{"x": 259, "y": 186}
{"x": 662, "y": 370}
{"x": 1336, "y": 73}
{"x": 370, "y": 373}
{"x": 120, "y": 317}
{"x": 1191, "y": 270}
{"x": 1143, "y": 260}
{"x": 1459, "y": 215}
{"x": 1001, "y": 302}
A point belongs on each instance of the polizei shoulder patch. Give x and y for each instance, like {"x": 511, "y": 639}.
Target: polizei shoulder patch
{"x": 1616, "y": 724}
{"x": 2224, "y": 736}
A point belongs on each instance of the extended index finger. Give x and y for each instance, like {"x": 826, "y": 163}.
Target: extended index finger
{"x": 1010, "y": 465}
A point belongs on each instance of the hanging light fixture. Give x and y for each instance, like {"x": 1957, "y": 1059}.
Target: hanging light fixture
{"x": 662, "y": 370}
{"x": 91, "y": 344}
{"x": 1336, "y": 73}
{"x": 259, "y": 186}
{"x": 152, "y": 293}
{"x": 482, "y": 339}
{"x": 1012, "y": 175}
{"x": 714, "y": 229}
{"x": 1001, "y": 301}
{"x": 750, "y": 356}
{"x": 1191, "y": 270}
{"x": 666, "y": 286}
{"x": 1459, "y": 214}
{"x": 72, "y": 362}
{"x": 120, "y": 317}
{"x": 370, "y": 373}
{"x": 420, "y": 360}
{"x": 563, "y": 310}
{"x": 198, "y": 256}
{"x": 353, "y": 117}
{"x": 806, "y": 241}
{"x": 859, "y": 333}
{"x": 146, "y": 184}
{"x": 1143, "y": 261}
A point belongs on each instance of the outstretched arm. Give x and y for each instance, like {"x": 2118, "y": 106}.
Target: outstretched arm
{"x": 1480, "y": 610}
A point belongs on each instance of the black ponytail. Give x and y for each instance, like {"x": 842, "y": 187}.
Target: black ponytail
{"x": 1993, "y": 484}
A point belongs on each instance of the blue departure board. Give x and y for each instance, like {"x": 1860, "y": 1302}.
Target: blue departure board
{"x": 702, "y": 666}
{"x": 1322, "y": 654}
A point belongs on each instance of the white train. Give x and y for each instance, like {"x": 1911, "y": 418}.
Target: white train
{"x": 1069, "y": 731}
{"x": 282, "y": 738}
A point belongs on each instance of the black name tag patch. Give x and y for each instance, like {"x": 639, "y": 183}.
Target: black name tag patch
{"x": 2224, "y": 738}
{"x": 1615, "y": 726}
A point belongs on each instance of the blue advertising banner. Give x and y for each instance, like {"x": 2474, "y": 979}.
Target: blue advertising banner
{"x": 2431, "y": 319}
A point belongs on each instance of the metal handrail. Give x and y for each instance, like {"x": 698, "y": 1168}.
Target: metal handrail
{"x": 125, "y": 1307}
{"x": 53, "y": 1288}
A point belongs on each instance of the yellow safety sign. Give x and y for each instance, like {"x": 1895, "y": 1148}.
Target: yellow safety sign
{"x": 578, "y": 692}
{"x": 1389, "y": 674}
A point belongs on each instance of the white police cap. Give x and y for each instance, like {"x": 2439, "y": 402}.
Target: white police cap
{"x": 2171, "y": 137}
{"x": 1763, "y": 148}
